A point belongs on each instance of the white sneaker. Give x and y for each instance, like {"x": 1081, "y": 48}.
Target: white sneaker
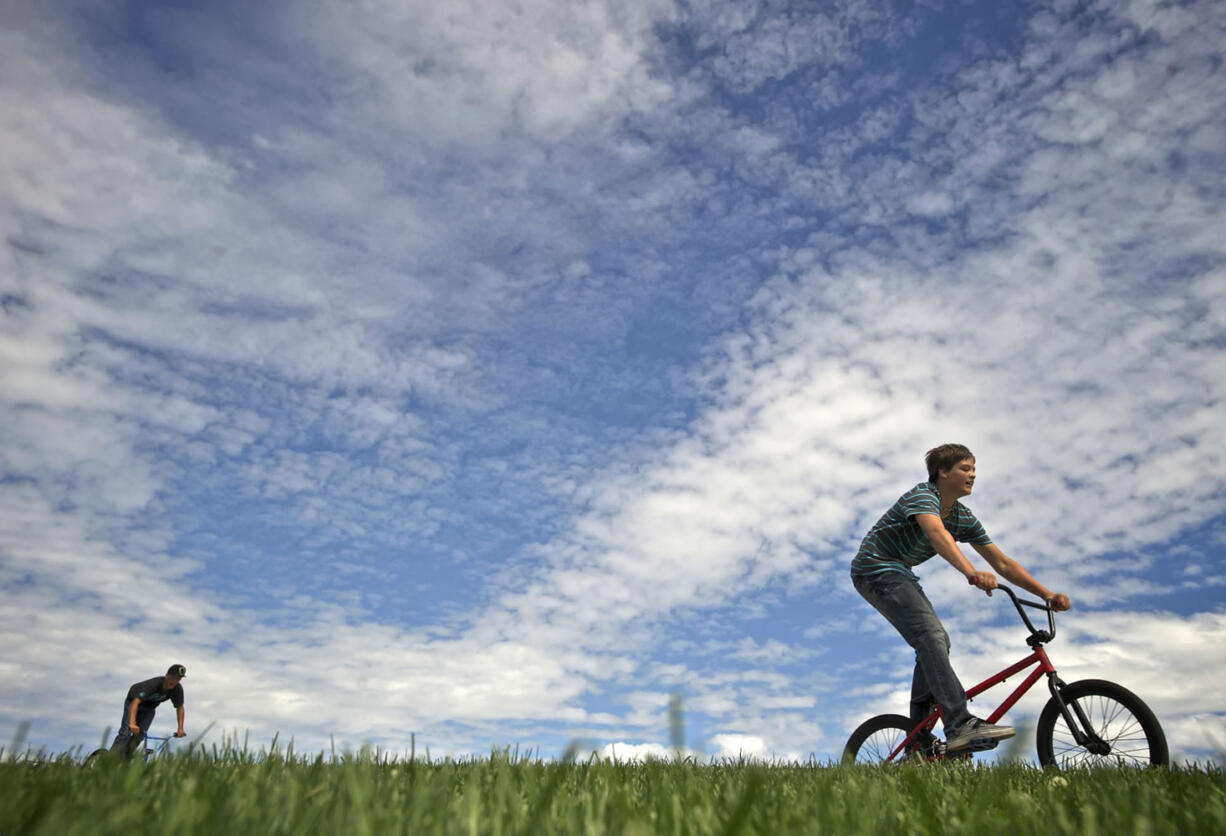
{"x": 977, "y": 734}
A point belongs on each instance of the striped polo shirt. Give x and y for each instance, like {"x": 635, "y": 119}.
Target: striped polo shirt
{"x": 897, "y": 544}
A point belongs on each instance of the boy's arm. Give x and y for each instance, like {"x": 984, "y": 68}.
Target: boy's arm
{"x": 1013, "y": 571}
{"x": 132, "y": 714}
{"x": 947, "y": 548}
{"x": 179, "y": 714}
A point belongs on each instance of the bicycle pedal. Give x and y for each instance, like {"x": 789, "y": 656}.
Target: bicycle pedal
{"x": 983, "y": 744}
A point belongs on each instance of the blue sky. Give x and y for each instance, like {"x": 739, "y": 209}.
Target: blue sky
{"x": 488, "y": 373}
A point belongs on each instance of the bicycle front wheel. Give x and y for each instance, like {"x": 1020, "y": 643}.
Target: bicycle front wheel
{"x": 875, "y": 738}
{"x": 1122, "y": 730}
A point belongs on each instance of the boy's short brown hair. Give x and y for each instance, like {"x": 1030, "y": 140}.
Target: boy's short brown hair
{"x": 944, "y": 458}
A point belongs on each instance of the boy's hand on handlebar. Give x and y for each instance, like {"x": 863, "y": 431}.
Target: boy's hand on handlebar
{"x": 984, "y": 580}
{"x": 1060, "y": 602}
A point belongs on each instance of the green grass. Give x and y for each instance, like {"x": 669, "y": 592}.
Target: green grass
{"x": 230, "y": 791}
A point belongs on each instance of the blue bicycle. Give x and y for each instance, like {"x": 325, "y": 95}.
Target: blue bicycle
{"x": 150, "y": 745}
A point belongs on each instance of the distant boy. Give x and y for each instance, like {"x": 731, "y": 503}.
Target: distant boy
{"x": 142, "y": 703}
{"x": 928, "y": 520}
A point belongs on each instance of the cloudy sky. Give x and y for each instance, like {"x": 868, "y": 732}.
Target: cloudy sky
{"x": 488, "y": 372}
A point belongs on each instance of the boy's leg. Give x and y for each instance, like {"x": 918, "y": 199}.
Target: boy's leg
{"x": 907, "y": 608}
{"x": 922, "y": 702}
{"x": 127, "y": 741}
{"x": 124, "y": 735}
{"x": 144, "y": 719}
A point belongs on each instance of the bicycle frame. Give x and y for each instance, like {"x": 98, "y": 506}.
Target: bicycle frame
{"x": 149, "y": 746}
{"x": 1042, "y": 667}
{"x": 163, "y": 745}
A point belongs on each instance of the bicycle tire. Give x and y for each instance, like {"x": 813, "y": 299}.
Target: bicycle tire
{"x": 875, "y": 738}
{"x": 95, "y": 757}
{"x": 1120, "y": 719}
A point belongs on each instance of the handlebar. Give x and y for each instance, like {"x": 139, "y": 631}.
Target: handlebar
{"x": 1036, "y": 637}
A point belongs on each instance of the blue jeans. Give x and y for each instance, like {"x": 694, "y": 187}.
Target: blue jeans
{"x": 125, "y": 740}
{"x": 903, "y": 603}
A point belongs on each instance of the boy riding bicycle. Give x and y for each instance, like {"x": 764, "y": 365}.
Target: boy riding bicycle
{"x": 929, "y": 520}
{"x": 141, "y": 704}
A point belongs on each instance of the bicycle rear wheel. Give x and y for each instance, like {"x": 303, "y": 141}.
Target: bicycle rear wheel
{"x": 1124, "y": 731}
{"x": 875, "y": 738}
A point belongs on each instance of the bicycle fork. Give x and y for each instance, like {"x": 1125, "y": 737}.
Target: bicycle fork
{"x": 1083, "y": 731}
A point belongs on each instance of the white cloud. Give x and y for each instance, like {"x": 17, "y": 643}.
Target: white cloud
{"x": 104, "y": 615}
{"x": 740, "y": 746}
{"x": 737, "y": 747}
{"x": 755, "y": 43}
{"x": 633, "y": 752}
{"x": 932, "y": 204}
{"x": 470, "y": 72}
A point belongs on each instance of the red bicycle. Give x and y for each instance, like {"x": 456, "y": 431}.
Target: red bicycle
{"x": 1087, "y": 723}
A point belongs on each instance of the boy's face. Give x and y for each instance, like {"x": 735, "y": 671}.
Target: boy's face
{"x": 959, "y": 480}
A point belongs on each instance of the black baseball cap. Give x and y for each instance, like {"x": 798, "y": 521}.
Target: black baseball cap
{"x": 176, "y": 670}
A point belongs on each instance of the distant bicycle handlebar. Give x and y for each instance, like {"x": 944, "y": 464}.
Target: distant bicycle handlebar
{"x": 1036, "y": 636}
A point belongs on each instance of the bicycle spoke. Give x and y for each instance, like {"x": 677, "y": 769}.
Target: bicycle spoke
{"x": 877, "y": 746}
{"x": 1128, "y": 728}
{"x": 880, "y": 745}
{"x": 1114, "y": 714}
{"x": 1115, "y": 725}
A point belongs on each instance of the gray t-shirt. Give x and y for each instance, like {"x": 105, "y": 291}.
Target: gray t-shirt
{"x": 152, "y": 693}
{"x": 896, "y": 543}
